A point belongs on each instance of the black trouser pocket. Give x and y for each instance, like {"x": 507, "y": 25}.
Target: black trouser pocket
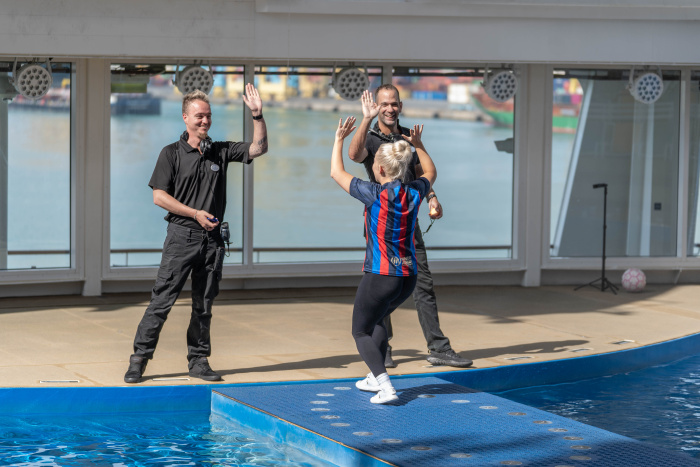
{"x": 219, "y": 262}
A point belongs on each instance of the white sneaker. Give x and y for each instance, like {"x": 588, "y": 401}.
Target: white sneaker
{"x": 368, "y": 384}
{"x": 384, "y": 396}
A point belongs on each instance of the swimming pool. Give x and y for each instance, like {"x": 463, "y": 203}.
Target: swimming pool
{"x": 81, "y": 407}
{"x": 191, "y": 438}
{"x": 660, "y": 405}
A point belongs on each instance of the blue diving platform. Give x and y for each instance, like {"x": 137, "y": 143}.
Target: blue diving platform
{"x": 434, "y": 423}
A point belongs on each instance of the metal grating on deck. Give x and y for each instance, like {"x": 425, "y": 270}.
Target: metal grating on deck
{"x": 434, "y": 423}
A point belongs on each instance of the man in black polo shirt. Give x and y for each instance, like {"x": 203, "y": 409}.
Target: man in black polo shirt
{"x": 189, "y": 181}
{"x": 362, "y": 149}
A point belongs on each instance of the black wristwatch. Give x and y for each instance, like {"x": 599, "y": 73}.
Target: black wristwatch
{"x": 259, "y": 117}
{"x": 430, "y": 196}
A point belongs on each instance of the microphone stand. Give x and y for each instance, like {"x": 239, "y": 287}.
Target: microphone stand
{"x": 604, "y": 282}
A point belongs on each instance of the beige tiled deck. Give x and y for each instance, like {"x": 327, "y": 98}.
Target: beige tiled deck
{"x": 282, "y": 335}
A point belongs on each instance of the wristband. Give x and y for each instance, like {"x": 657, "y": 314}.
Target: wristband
{"x": 195, "y": 215}
{"x": 430, "y": 196}
{"x": 259, "y": 117}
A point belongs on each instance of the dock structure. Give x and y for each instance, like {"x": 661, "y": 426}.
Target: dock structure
{"x": 433, "y": 423}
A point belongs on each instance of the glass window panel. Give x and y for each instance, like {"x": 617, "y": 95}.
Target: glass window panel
{"x": 301, "y": 214}
{"x": 602, "y": 135}
{"x": 146, "y": 116}
{"x": 464, "y": 129}
{"x": 35, "y": 173}
{"x": 694, "y": 167}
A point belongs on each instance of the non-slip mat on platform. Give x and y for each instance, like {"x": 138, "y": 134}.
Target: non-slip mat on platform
{"x": 434, "y": 423}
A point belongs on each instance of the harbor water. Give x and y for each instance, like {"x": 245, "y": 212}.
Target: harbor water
{"x": 296, "y": 203}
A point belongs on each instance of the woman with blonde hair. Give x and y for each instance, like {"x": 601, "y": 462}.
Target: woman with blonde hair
{"x": 391, "y": 210}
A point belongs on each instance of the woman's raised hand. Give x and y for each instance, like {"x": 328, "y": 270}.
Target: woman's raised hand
{"x": 415, "y": 138}
{"x": 344, "y": 129}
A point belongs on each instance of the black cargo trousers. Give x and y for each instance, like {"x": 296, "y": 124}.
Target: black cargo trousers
{"x": 185, "y": 250}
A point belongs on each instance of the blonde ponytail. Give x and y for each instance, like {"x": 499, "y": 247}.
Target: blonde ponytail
{"x": 395, "y": 159}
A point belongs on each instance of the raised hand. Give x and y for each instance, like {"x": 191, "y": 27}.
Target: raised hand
{"x": 252, "y": 99}
{"x": 415, "y": 137}
{"x": 370, "y": 109}
{"x": 344, "y": 129}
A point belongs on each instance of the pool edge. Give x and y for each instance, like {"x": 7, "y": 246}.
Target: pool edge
{"x": 122, "y": 399}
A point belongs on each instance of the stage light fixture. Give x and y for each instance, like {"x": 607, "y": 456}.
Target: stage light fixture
{"x": 350, "y": 83}
{"x": 500, "y": 85}
{"x": 32, "y": 80}
{"x": 194, "y": 77}
{"x": 646, "y": 87}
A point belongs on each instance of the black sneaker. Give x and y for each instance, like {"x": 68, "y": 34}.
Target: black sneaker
{"x": 199, "y": 368}
{"x": 388, "y": 361}
{"x": 449, "y": 358}
{"x": 136, "y": 366}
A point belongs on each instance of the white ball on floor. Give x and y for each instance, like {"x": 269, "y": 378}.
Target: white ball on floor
{"x": 634, "y": 280}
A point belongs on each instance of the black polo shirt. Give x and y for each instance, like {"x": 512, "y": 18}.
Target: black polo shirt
{"x": 376, "y": 138}
{"x": 196, "y": 180}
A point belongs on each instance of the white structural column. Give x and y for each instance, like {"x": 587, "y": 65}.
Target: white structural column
{"x": 94, "y": 220}
{"x": 248, "y": 176}
{"x": 684, "y": 242}
{"x": 387, "y": 74}
{"x": 4, "y": 164}
{"x": 640, "y": 185}
{"x": 529, "y": 194}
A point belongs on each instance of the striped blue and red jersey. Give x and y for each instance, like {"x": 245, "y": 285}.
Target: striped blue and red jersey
{"x": 391, "y": 211}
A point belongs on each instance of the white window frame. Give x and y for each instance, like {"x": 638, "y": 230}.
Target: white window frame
{"x": 672, "y": 264}
{"x": 77, "y": 121}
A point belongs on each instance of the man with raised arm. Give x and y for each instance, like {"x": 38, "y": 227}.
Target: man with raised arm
{"x": 189, "y": 181}
{"x": 363, "y": 148}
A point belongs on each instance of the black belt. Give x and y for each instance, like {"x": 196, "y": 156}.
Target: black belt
{"x": 197, "y": 233}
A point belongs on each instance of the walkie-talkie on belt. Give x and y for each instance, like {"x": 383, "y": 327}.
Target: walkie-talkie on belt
{"x": 226, "y": 235}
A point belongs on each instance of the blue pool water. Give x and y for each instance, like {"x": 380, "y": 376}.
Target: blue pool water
{"x": 193, "y": 438}
{"x": 660, "y": 405}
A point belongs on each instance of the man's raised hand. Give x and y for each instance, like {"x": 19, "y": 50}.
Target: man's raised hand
{"x": 344, "y": 129}
{"x": 252, "y": 99}
{"x": 370, "y": 109}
